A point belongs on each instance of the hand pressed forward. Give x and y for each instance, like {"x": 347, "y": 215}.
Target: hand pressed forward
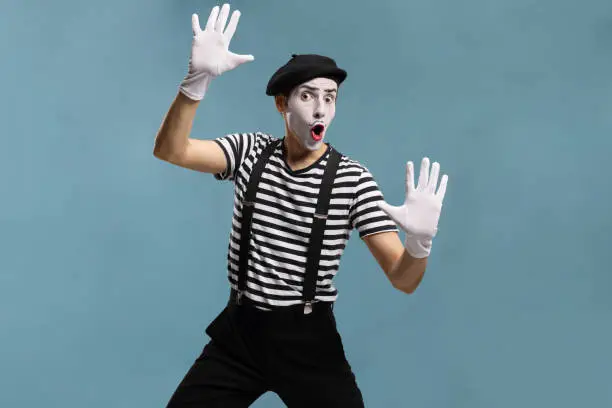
{"x": 419, "y": 215}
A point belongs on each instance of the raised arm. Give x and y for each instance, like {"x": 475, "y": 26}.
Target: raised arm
{"x": 210, "y": 57}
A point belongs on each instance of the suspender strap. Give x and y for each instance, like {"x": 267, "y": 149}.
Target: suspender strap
{"x": 318, "y": 230}
{"x": 248, "y": 205}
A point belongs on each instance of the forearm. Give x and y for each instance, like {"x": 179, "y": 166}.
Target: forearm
{"x": 407, "y": 272}
{"x": 173, "y": 135}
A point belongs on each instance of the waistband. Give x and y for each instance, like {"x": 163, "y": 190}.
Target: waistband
{"x": 293, "y": 311}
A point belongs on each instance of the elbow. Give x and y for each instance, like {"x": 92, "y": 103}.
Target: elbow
{"x": 158, "y": 151}
{"x": 407, "y": 286}
{"x": 169, "y": 150}
{"x": 164, "y": 154}
{"x": 160, "y": 154}
{"x": 408, "y": 290}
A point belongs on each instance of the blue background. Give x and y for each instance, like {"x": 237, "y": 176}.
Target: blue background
{"x": 112, "y": 263}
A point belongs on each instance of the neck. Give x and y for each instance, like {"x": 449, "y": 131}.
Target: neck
{"x": 297, "y": 156}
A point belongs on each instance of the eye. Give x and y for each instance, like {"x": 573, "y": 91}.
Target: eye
{"x": 304, "y": 96}
{"x": 329, "y": 98}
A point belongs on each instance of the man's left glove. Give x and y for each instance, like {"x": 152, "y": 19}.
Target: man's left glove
{"x": 418, "y": 216}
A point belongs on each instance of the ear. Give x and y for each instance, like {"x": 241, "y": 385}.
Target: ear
{"x": 281, "y": 103}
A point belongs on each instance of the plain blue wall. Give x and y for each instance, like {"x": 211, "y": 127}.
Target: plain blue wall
{"x": 112, "y": 263}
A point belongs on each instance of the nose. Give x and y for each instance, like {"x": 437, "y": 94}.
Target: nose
{"x": 319, "y": 112}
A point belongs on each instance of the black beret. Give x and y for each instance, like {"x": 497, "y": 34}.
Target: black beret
{"x": 302, "y": 68}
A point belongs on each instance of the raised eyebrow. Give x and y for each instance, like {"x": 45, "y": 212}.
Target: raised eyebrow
{"x": 310, "y": 88}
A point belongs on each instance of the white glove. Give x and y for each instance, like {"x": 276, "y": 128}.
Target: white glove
{"x": 210, "y": 55}
{"x": 418, "y": 216}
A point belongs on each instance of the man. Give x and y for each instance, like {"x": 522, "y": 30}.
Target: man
{"x": 296, "y": 199}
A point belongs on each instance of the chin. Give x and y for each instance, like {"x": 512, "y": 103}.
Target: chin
{"x": 306, "y": 141}
{"x": 313, "y": 146}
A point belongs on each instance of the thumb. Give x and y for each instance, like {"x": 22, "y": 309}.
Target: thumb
{"x": 235, "y": 59}
{"x": 195, "y": 24}
{"x": 391, "y": 211}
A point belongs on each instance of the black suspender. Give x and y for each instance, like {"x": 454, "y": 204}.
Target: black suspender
{"x": 248, "y": 205}
{"x": 318, "y": 225}
{"x": 318, "y": 231}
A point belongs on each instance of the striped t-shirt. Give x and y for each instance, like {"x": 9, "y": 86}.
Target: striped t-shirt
{"x": 283, "y": 215}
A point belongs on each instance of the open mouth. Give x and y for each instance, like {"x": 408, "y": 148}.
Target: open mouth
{"x": 317, "y": 131}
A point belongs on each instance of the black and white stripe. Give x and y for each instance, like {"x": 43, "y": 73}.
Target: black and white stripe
{"x": 282, "y": 219}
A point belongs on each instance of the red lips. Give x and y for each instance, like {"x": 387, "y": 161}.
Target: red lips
{"x": 317, "y": 132}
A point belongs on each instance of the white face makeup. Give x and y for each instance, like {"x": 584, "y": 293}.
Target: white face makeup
{"x": 311, "y": 107}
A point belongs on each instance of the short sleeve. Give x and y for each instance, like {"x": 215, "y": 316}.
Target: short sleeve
{"x": 236, "y": 147}
{"x": 365, "y": 216}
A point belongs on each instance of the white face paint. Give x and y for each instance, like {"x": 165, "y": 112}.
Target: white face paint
{"x": 311, "y": 107}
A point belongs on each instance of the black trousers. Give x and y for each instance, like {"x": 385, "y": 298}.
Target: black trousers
{"x": 299, "y": 357}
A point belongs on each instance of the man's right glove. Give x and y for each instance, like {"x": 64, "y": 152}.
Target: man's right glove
{"x": 210, "y": 55}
